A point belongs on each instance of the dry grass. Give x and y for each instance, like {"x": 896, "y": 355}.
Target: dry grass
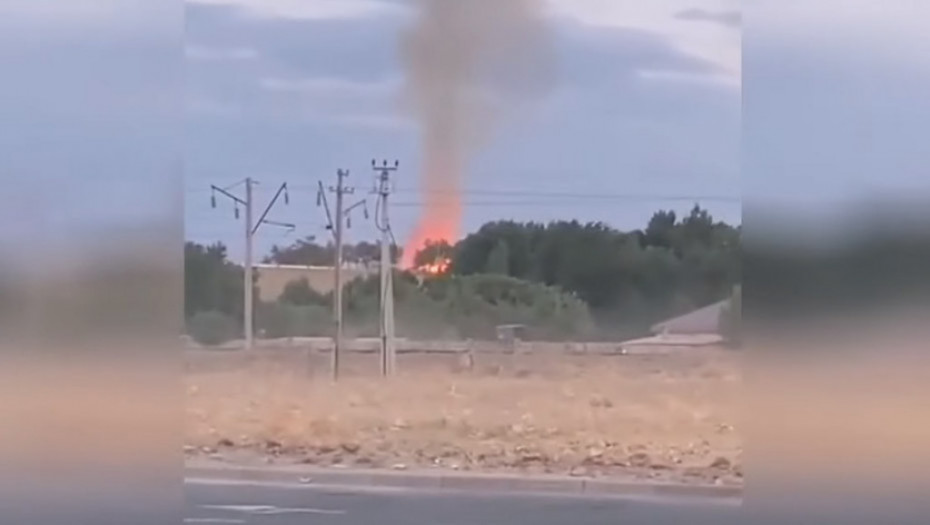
{"x": 668, "y": 415}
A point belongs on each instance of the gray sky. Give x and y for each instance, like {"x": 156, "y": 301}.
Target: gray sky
{"x": 646, "y": 102}
{"x": 836, "y": 114}
{"x": 105, "y": 100}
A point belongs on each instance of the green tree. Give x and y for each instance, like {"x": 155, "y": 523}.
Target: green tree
{"x": 626, "y": 280}
{"x": 211, "y": 282}
{"x": 472, "y": 253}
{"x": 307, "y": 252}
{"x": 661, "y": 229}
{"x": 629, "y": 279}
{"x": 433, "y": 252}
{"x": 302, "y": 252}
{"x": 499, "y": 259}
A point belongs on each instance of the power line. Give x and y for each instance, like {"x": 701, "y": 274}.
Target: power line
{"x": 561, "y": 194}
{"x": 250, "y": 229}
{"x": 547, "y": 203}
{"x": 569, "y": 195}
{"x": 563, "y": 197}
{"x": 336, "y": 223}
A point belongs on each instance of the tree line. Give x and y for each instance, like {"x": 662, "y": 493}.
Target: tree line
{"x": 561, "y": 279}
{"x": 629, "y": 280}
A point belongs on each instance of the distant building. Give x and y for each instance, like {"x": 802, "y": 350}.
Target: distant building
{"x": 702, "y": 321}
{"x": 272, "y": 278}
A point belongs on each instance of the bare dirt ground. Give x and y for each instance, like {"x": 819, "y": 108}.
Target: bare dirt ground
{"x": 667, "y": 416}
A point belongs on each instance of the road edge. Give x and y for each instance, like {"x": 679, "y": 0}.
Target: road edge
{"x": 459, "y": 481}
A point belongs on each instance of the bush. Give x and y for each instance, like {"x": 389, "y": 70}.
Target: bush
{"x": 447, "y": 307}
{"x": 300, "y": 293}
{"x": 476, "y": 304}
{"x": 211, "y": 328}
{"x": 277, "y": 320}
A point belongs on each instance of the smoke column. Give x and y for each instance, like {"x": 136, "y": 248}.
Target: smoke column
{"x": 468, "y": 63}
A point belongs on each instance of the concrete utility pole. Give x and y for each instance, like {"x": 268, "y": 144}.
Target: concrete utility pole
{"x": 382, "y": 222}
{"x": 341, "y": 215}
{"x": 337, "y": 268}
{"x": 248, "y": 323}
{"x": 248, "y": 305}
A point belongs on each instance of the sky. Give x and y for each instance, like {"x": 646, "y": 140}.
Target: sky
{"x": 716, "y": 101}
{"x": 90, "y": 119}
{"x": 645, "y": 103}
{"x": 835, "y": 115}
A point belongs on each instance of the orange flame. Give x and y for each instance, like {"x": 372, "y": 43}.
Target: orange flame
{"x": 441, "y": 218}
{"x": 437, "y": 268}
{"x": 438, "y": 224}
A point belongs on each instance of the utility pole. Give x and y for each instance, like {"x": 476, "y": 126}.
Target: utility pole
{"x": 251, "y": 228}
{"x": 337, "y": 268}
{"x": 382, "y": 222}
{"x": 341, "y": 217}
{"x": 248, "y": 323}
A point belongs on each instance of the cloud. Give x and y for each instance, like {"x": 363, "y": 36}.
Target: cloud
{"x": 82, "y": 12}
{"x": 309, "y": 9}
{"x": 862, "y": 29}
{"x": 645, "y": 94}
{"x": 300, "y": 70}
{"x": 28, "y": 22}
{"x": 715, "y": 44}
{"x": 727, "y": 18}
{"x": 355, "y": 49}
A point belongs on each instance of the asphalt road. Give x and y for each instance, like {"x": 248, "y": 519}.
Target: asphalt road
{"x": 293, "y": 504}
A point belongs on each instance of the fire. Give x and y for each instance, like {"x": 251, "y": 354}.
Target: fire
{"x": 440, "y": 267}
{"x": 448, "y": 55}
{"x": 436, "y": 226}
{"x": 441, "y": 218}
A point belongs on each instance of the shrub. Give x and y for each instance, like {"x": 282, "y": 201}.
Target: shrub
{"x": 300, "y": 293}
{"x": 211, "y": 328}
{"x": 476, "y": 304}
{"x": 277, "y": 320}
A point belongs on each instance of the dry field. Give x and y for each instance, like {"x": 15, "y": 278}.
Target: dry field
{"x": 664, "y": 415}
